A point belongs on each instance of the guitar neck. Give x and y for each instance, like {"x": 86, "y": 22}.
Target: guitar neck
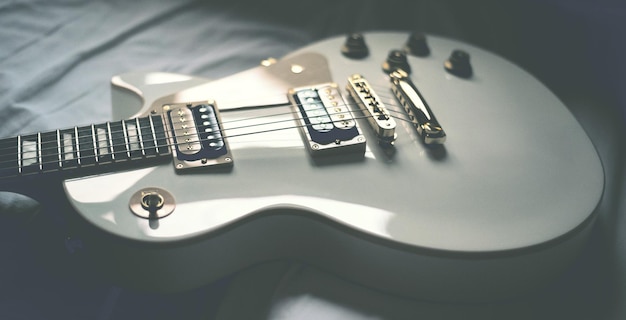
{"x": 82, "y": 150}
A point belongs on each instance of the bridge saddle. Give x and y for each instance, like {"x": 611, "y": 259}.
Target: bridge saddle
{"x": 373, "y": 108}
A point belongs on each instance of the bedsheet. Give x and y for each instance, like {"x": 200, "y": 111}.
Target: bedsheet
{"x": 56, "y": 61}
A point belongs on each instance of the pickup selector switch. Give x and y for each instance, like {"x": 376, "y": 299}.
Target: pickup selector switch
{"x": 152, "y": 203}
{"x": 355, "y": 47}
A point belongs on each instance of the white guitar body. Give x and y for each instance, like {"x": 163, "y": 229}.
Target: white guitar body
{"x": 502, "y": 208}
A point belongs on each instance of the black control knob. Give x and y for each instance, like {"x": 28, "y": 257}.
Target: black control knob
{"x": 459, "y": 64}
{"x": 396, "y": 60}
{"x": 416, "y": 45}
{"x": 355, "y": 47}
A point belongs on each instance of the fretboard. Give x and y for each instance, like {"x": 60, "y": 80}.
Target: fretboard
{"x": 93, "y": 146}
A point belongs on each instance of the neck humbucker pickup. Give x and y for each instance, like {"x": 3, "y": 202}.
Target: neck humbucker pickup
{"x": 325, "y": 121}
{"x": 373, "y": 108}
{"x": 418, "y": 110}
{"x": 196, "y": 135}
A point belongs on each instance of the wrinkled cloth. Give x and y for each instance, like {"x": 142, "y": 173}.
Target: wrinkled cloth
{"x": 56, "y": 61}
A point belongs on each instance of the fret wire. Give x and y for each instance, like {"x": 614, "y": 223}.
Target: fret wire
{"x": 75, "y": 140}
{"x": 39, "y": 151}
{"x": 77, "y": 145}
{"x": 143, "y": 150}
{"x": 110, "y": 140}
{"x": 95, "y": 145}
{"x": 244, "y": 134}
{"x": 156, "y": 144}
{"x": 126, "y": 138}
{"x": 59, "y": 148}
{"x": 19, "y": 154}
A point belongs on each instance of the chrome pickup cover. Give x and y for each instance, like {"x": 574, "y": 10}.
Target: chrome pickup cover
{"x": 196, "y": 135}
{"x": 325, "y": 121}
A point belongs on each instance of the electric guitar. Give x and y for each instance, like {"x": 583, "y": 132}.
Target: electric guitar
{"x": 421, "y": 166}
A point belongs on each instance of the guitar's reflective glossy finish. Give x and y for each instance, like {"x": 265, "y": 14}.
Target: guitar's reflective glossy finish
{"x": 501, "y": 207}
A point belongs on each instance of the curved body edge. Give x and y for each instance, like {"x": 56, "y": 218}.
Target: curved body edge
{"x": 359, "y": 258}
{"x": 502, "y": 207}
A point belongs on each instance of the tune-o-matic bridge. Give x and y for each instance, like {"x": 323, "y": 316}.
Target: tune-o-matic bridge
{"x": 373, "y": 107}
{"x": 418, "y": 110}
{"x": 325, "y": 121}
{"x": 196, "y": 135}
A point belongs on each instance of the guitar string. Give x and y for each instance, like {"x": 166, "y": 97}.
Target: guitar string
{"x": 388, "y": 103}
{"x": 38, "y": 151}
{"x": 92, "y": 154}
{"x": 391, "y": 112}
{"x": 140, "y": 128}
{"x": 138, "y": 138}
{"x": 398, "y": 113}
{"x": 93, "y": 151}
{"x": 93, "y": 164}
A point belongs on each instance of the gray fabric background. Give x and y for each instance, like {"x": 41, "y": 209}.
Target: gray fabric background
{"x": 56, "y": 60}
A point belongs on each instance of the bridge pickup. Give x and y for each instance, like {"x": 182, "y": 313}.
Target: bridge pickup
{"x": 326, "y": 123}
{"x": 373, "y": 108}
{"x": 418, "y": 110}
{"x": 196, "y": 135}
